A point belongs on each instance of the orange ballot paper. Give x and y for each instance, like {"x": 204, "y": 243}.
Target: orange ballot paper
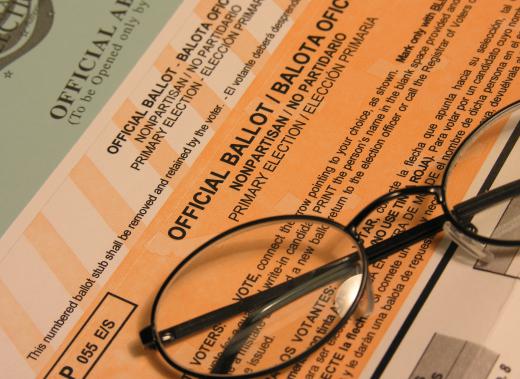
{"x": 240, "y": 110}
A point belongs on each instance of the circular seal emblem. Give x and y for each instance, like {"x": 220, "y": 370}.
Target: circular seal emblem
{"x": 23, "y": 25}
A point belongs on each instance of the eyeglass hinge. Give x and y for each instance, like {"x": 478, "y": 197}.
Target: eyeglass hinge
{"x": 148, "y": 338}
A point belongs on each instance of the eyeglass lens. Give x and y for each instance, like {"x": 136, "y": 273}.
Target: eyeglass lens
{"x": 245, "y": 263}
{"x": 497, "y": 141}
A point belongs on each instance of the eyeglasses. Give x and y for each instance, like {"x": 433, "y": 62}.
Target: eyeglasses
{"x": 266, "y": 294}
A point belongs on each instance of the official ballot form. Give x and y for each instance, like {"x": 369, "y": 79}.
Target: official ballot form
{"x": 138, "y": 130}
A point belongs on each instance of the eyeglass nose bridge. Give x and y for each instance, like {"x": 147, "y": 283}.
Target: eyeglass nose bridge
{"x": 435, "y": 190}
{"x": 366, "y": 303}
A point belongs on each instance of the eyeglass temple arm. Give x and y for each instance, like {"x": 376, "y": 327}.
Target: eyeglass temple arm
{"x": 374, "y": 253}
{"x": 244, "y": 305}
{"x": 474, "y": 205}
{"x": 225, "y": 361}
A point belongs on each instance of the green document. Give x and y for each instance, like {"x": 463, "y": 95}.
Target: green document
{"x": 60, "y": 61}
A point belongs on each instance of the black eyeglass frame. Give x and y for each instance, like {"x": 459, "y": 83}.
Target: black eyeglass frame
{"x": 151, "y": 337}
